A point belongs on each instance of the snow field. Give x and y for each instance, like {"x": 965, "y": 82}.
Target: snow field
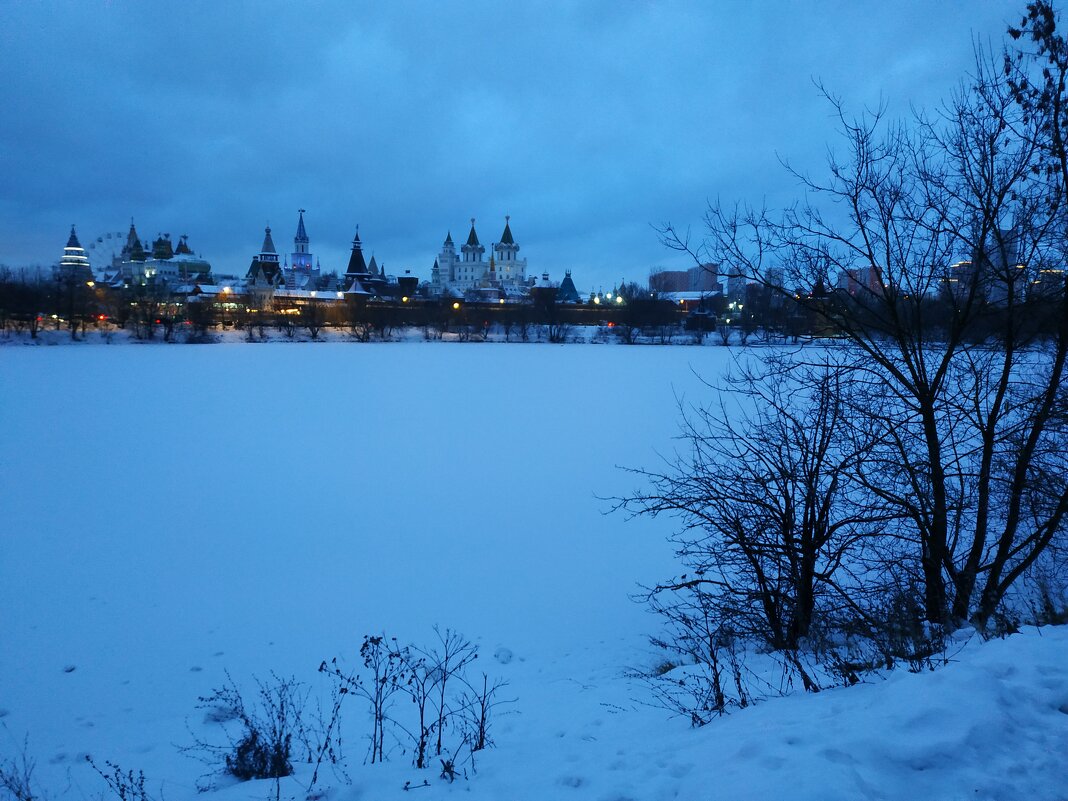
{"x": 172, "y": 513}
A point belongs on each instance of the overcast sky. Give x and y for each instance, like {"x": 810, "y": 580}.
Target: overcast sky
{"x": 586, "y": 122}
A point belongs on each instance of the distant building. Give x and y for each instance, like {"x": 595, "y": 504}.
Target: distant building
{"x": 567, "y": 292}
{"x": 137, "y": 263}
{"x": 361, "y": 278}
{"x": 867, "y": 280}
{"x": 301, "y": 272}
{"x": 736, "y": 286}
{"x": 265, "y": 273}
{"x": 74, "y": 265}
{"x": 702, "y": 278}
{"x": 458, "y": 273}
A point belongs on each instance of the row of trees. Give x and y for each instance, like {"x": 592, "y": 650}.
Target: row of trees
{"x": 901, "y": 486}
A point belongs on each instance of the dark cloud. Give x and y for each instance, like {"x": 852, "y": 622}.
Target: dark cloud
{"x": 586, "y": 122}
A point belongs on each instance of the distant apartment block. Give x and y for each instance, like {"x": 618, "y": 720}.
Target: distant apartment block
{"x": 704, "y": 278}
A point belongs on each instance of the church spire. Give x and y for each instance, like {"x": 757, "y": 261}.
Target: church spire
{"x": 133, "y": 250}
{"x": 507, "y": 249}
{"x": 268, "y": 244}
{"x": 302, "y": 235}
{"x": 473, "y": 250}
{"x": 357, "y": 265}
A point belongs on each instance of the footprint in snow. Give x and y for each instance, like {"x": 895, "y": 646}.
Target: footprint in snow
{"x": 503, "y": 655}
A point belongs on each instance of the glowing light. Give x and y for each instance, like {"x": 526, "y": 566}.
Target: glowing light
{"x": 501, "y": 300}
{"x": 340, "y": 294}
{"x": 226, "y": 290}
{"x": 456, "y": 305}
{"x": 404, "y": 299}
{"x": 90, "y": 284}
{"x": 619, "y": 298}
{"x": 597, "y": 300}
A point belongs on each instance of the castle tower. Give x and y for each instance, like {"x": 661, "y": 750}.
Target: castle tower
{"x": 435, "y": 278}
{"x": 357, "y": 265}
{"x": 75, "y": 264}
{"x": 301, "y": 260}
{"x": 473, "y": 250}
{"x": 163, "y": 248}
{"x": 267, "y": 252}
{"x": 447, "y": 261}
{"x": 265, "y": 271}
{"x": 511, "y": 270}
{"x": 183, "y": 246}
{"x": 133, "y": 250}
{"x": 506, "y": 249}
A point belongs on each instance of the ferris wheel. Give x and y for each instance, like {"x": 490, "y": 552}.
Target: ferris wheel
{"x": 101, "y": 249}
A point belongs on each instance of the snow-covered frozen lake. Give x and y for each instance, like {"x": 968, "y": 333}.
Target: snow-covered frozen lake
{"x": 171, "y": 513}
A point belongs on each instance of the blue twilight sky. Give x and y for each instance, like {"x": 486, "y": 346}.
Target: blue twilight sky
{"x": 585, "y": 121}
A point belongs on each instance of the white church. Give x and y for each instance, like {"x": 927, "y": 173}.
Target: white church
{"x": 466, "y": 271}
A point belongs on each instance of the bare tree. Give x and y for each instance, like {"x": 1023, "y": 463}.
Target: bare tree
{"x": 772, "y": 535}
{"x": 313, "y": 317}
{"x": 951, "y": 224}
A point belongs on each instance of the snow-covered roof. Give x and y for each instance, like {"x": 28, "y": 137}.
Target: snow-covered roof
{"x": 680, "y": 296}
{"x": 308, "y": 294}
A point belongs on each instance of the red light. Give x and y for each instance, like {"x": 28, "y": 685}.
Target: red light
{"x": 611, "y": 325}
{"x": 158, "y": 322}
{"x": 102, "y": 317}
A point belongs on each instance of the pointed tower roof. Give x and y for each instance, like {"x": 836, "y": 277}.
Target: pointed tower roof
{"x": 506, "y": 237}
{"x": 372, "y": 267}
{"x": 472, "y": 238}
{"x": 567, "y": 292}
{"x": 268, "y": 243}
{"x": 357, "y": 265}
{"x": 183, "y": 247}
{"x": 131, "y": 238}
{"x": 133, "y": 250}
{"x": 162, "y": 247}
{"x": 302, "y": 235}
{"x": 448, "y": 238}
{"x": 75, "y": 262}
